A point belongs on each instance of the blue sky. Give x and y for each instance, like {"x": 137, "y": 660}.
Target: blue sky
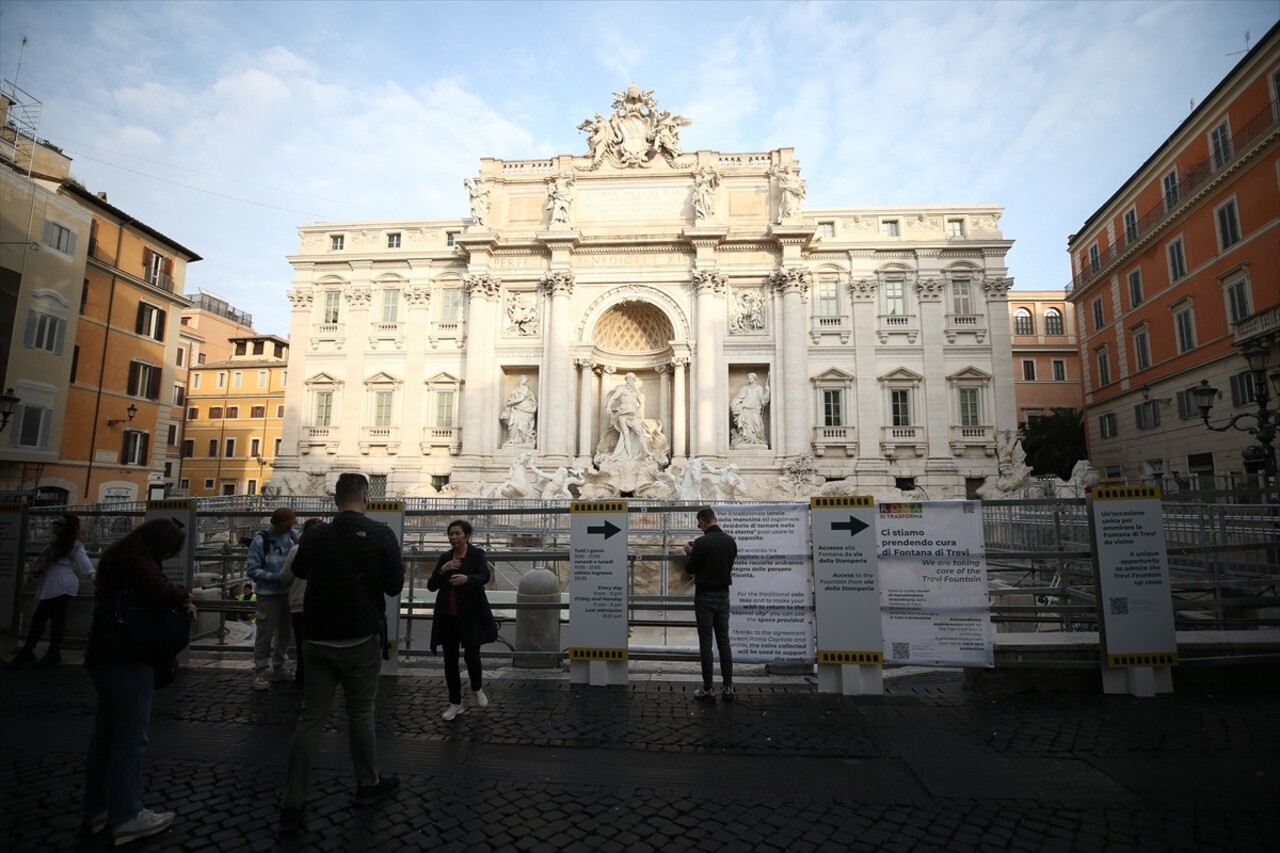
{"x": 226, "y": 125}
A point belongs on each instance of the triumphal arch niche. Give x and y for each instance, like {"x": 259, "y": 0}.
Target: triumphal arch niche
{"x": 645, "y": 319}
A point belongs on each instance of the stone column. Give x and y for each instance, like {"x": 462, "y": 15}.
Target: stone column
{"x": 794, "y": 284}
{"x": 1004, "y": 410}
{"x": 937, "y": 412}
{"x": 414, "y": 416}
{"x": 679, "y": 412}
{"x": 708, "y": 387}
{"x": 586, "y": 403}
{"x": 664, "y": 398}
{"x": 866, "y": 410}
{"x": 350, "y": 416}
{"x": 559, "y": 286}
{"x": 295, "y": 393}
{"x": 478, "y": 384}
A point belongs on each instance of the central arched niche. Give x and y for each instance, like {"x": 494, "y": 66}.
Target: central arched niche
{"x": 633, "y": 327}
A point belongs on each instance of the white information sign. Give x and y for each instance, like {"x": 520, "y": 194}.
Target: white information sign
{"x": 846, "y": 588}
{"x": 598, "y": 591}
{"x": 179, "y": 568}
{"x": 933, "y": 583}
{"x": 771, "y": 599}
{"x": 13, "y": 537}
{"x": 1134, "y": 595}
{"x": 391, "y": 513}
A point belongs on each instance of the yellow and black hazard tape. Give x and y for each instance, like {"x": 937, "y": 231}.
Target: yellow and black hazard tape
{"x": 841, "y": 502}
{"x": 1125, "y": 493}
{"x": 386, "y": 505}
{"x": 169, "y": 503}
{"x": 597, "y": 654}
{"x": 597, "y": 506}
{"x": 850, "y": 657}
{"x": 1120, "y": 661}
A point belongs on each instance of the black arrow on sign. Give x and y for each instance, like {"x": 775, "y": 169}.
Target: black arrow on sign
{"x": 609, "y": 528}
{"x": 853, "y": 525}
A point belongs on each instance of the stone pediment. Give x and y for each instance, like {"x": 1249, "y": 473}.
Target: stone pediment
{"x": 443, "y": 378}
{"x": 969, "y": 374}
{"x": 833, "y": 374}
{"x": 382, "y": 378}
{"x": 901, "y": 374}
{"x": 323, "y": 379}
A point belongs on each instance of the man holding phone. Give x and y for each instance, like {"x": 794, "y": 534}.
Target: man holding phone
{"x": 711, "y": 557}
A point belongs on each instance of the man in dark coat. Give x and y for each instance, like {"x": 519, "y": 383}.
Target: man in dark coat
{"x": 711, "y": 558}
{"x": 349, "y": 565}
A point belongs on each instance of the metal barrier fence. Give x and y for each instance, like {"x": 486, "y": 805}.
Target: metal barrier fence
{"x": 1223, "y": 557}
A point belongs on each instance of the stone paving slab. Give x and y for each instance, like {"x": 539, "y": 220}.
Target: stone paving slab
{"x": 553, "y": 767}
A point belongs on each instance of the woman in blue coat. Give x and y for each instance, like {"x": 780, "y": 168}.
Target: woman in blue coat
{"x": 463, "y": 617}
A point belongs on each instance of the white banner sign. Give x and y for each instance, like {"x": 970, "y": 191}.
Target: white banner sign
{"x": 771, "y": 600}
{"x": 598, "y": 580}
{"x": 933, "y": 583}
{"x": 180, "y": 568}
{"x": 846, "y": 586}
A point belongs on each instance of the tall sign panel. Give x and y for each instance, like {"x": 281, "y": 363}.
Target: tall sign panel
{"x": 181, "y": 567}
{"x": 390, "y": 513}
{"x": 13, "y": 545}
{"x": 1134, "y": 597}
{"x": 847, "y": 595}
{"x": 933, "y": 583}
{"x": 598, "y": 592}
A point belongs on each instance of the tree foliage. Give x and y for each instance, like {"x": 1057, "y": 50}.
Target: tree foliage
{"x": 1054, "y": 444}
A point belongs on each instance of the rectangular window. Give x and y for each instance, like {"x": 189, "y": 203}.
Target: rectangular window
{"x": 895, "y": 297}
{"x": 195, "y": 381}
{"x": 1099, "y": 314}
{"x": 324, "y": 408}
{"x": 231, "y": 448}
{"x": 828, "y": 299}
{"x": 393, "y": 240}
{"x": 75, "y": 363}
{"x": 900, "y": 400}
{"x": 961, "y": 296}
{"x": 1135, "y": 288}
{"x": 450, "y": 305}
{"x": 144, "y": 380}
{"x": 1095, "y": 262}
{"x": 179, "y": 395}
{"x": 222, "y": 379}
{"x": 200, "y": 358}
{"x": 188, "y": 448}
{"x": 44, "y": 332}
{"x": 215, "y": 413}
{"x": 1107, "y": 425}
{"x": 444, "y": 409}
{"x": 955, "y": 228}
{"x": 59, "y": 237}
{"x": 970, "y": 408}
{"x": 1171, "y": 190}
{"x": 390, "y": 306}
{"x": 135, "y": 448}
{"x": 252, "y": 488}
{"x": 1053, "y": 322}
{"x": 150, "y": 321}
{"x": 258, "y": 412}
{"x": 182, "y": 356}
{"x": 259, "y": 347}
{"x": 1142, "y": 349}
{"x": 382, "y": 408}
{"x": 263, "y": 378}
{"x": 233, "y": 412}
{"x": 1177, "y": 261}
{"x": 1220, "y": 143}
{"x": 280, "y": 411}
{"x": 889, "y": 227}
{"x": 1059, "y": 370}
{"x": 1187, "y": 406}
{"x": 237, "y": 379}
{"x": 1146, "y": 415}
{"x": 332, "y": 299}
{"x": 1238, "y": 300}
{"x": 173, "y": 435}
{"x": 255, "y": 447}
{"x": 832, "y": 407}
{"x": 337, "y": 242}
{"x": 1029, "y": 370}
{"x": 208, "y": 483}
{"x": 193, "y": 413}
{"x": 1104, "y": 368}
{"x": 826, "y": 229}
{"x": 1228, "y": 225}
{"x": 1131, "y": 225}
{"x": 31, "y": 426}
{"x": 1243, "y": 390}
{"x": 1185, "y": 328}
{"x": 450, "y": 238}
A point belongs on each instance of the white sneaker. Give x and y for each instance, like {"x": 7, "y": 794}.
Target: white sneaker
{"x": 481, "y": 699}
{"x": 452, "y": 711}
{"x": 262, "y": 681}
{"x": 142, "y": 825}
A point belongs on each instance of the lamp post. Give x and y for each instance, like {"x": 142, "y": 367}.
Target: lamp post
{"x": 1265, "y": 420}
{"x": 8, "y": 405}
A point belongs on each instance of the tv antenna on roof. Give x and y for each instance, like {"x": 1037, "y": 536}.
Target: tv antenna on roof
{"x": 1246, "y": 46}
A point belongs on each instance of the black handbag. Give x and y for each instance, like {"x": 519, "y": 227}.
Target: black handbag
{"x": 140, "y": 632}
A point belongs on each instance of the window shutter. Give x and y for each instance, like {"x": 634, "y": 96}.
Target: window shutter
{"x": 147, "y": 255}
{"x": 153, "y": 385}
{"x": 29, "y": 334}
{"x": 46, "y": 420}
{"x": 144, "y": 443}
{"x": 160, "y": 318}
{"x": 71, "y": 242}
{"x": 49, "y": 239}
{"x": 59, "y": 336}
{"x": 124, "y": 448}
{"x": 140, "y": 325}
{"x": 1237, "y": 390}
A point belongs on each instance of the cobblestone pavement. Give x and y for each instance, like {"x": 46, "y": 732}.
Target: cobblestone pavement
{"x": 552, "y": 767}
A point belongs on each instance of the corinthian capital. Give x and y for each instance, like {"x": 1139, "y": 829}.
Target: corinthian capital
{"x": 557, "y": 283}
{"x": 482, "y": 285}
{"x": 709, "y": 280}
{"x": 929, "y": 289}
{"x": 863, "y": 290}
{"x": 301, "y": 298}
{"x": 418, "y": 297}
{"x": 358, "y": 296}
{"x": 792, "y": 280}
{"x": 996, "y": 289}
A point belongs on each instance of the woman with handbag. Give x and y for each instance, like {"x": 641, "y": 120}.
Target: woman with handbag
{"x": 131, "y": 641}
{"x": 462, "y": 616}
{"x": 59, "y": 568}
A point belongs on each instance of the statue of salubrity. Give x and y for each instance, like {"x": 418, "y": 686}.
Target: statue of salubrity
{"x": 748, "y": 414}
{"x": 518, "y": 414}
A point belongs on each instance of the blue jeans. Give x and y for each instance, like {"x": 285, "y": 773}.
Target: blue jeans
{"x": 121, "y": 731}
{"x": 356, "y": 668}
{"x": 711, "y": 610}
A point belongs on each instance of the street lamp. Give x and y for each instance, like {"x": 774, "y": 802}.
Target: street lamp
{"x": 132, "y": 411}
{"x": 1265, "y": 419}
{"x": 8, "y": 405}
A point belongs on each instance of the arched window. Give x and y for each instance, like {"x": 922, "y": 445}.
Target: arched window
{"x": 1052, "y": 321}
{"x": 1022, "y": 322}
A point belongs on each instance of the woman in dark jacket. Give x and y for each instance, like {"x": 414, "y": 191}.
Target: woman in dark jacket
{"x": 126, "y": 686}
{"x": 462, "y": 615}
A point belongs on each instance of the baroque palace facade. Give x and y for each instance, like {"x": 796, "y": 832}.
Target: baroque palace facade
{"x": 646, "y": 321}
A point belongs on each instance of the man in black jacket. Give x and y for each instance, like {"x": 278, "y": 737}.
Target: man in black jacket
{"x": 711, "y": 558}
{"x": 349, "y": 564}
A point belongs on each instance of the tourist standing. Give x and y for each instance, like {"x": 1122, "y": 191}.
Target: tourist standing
{"x": 274, "y": 628}
{"x": 462, "y": 616}
{"x": 60, "y": 566}
{"x": 711, "y": 557}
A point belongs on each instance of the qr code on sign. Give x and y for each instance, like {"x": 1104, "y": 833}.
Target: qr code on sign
{"x": 902, "y": 651}
{"x": 1120, "y": 605}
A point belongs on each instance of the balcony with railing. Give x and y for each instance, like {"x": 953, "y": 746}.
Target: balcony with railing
{"x": 386, "y": 335}
{"x": 334, "y": 334}
{"x": 446, "y": 330}
{"x": 898, "y": 324}
{"x": 449, "y": 437}
{"x": 387, "y": 437}
{"x": 830, "y": 324}
{"x": 845, "y": 437}
{"x": 965, "y": 438}
{"x": 1264, "y": 322}
{"x": 325, "y": 437}
{"x": 902, "y": 441}
{"x": 973, "y": 324}
{"x": 1261, "y": 126}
